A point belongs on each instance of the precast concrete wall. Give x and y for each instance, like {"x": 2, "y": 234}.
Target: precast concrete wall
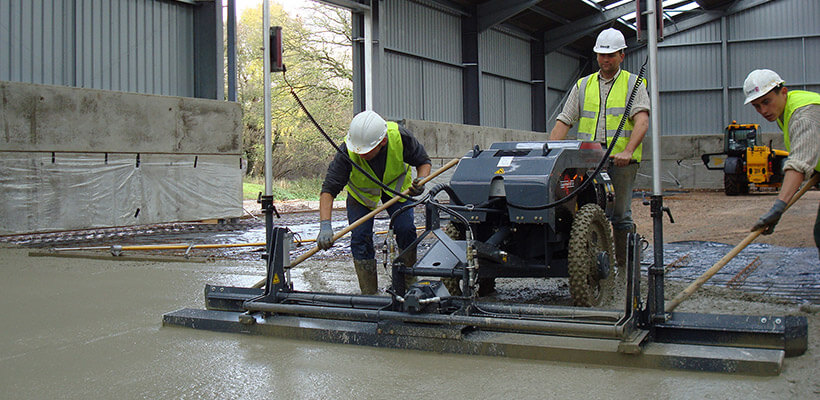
{"x": 681, "y": 165}
{"x": 445, "y": 141}
{"x": 82, "y": 158}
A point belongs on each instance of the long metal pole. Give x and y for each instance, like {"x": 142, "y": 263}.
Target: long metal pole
{"x": 598, "y": 330}
{"x": 266, "y": 72}
{"x": 656, "y": 278}
{"x": 368, "y": 60}
{"x": 654, "y": 116}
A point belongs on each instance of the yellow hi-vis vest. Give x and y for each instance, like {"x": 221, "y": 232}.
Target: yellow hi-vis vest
{"x": 396, "y": 172}
{"x": 589, "y": 98}
{"x": 795, "y": 100}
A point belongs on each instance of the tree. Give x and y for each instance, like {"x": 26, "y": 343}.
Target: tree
{"x": 317, "y": 59}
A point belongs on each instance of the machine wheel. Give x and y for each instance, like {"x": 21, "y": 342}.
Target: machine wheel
{"x": 590, "y": 236}
{"x": 734, "y": 185}
{"x": 452, "y": 284}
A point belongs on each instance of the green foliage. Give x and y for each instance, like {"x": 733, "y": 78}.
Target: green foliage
{"x": 285, "y": 189}
{"x": 317, "y": 58}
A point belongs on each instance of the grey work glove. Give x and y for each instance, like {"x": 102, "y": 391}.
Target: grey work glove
{"x": 417, "y": 187}
{"x": 325, "y": 238}
{"x": 770, "y": 219}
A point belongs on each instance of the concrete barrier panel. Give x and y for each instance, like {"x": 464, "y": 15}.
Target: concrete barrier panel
{"x": 55, "y": 118}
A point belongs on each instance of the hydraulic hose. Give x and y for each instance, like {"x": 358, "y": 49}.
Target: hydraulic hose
{"x": 604, "y": 159}
{"x": 338, "y": 149}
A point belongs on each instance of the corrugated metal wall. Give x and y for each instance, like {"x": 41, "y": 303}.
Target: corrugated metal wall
{"x": 422, "y": 63}
{"x": 782, "y": 35}
{"x": 423, "y": 69}
{"x": 506, "y": 100}
{"x": 142, "y": 46}
{"x": 562, "y": 72}
{"x": 701, "y": 69}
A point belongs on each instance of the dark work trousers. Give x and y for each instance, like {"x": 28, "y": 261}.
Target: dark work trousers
{"x": 361, "y": 238}
{"x": 623, "y": 180}
{"x": 817, "y": 229}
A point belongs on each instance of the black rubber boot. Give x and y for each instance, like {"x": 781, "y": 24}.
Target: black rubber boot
{"x": 368, "y": 278}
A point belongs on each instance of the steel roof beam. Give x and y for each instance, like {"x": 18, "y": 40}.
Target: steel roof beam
{"x": 703, "y": 18}
{"x": 564, "y": 35}
{"x": 495, "y": 12}
{"x": 351, "y": 5}
{"x": 551, "y": 15}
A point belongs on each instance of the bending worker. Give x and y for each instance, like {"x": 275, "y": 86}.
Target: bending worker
{"x": 386, "y": 151}
{"x": 610, "y": 86}
{"x": 797, "y": 113}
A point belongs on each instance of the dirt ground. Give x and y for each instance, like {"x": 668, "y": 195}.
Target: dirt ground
{"x": 713, "y": 216}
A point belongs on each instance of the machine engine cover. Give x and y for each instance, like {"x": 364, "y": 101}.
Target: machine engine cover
{"x": 528, "y": 175}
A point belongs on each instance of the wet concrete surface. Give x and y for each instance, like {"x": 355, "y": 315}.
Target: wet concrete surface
{"x": 82, "y": 329}
{"x": 788, "y": 273}
{"x": 77, "y": 328}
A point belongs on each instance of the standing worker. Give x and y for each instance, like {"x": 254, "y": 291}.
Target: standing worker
{"x": 610, "y": 86}
{"x": 797, "y": 113}
{"x": 386, "y": 151}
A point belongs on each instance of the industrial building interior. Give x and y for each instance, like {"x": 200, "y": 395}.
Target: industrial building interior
{"x": 121, "y": 198}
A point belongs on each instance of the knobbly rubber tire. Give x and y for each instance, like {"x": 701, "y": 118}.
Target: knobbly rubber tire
{"x": 590, "y": 235}
{"x": 734, "y": 185}
{"x": 453, "y": 284}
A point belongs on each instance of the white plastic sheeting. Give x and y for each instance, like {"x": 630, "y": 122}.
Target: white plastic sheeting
{"x": 43, "y": 191}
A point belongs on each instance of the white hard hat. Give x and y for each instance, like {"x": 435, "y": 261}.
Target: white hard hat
{"x": 367, "y": 129}
{"x": 609, "y": 41}
{"x": 759, "y": 82}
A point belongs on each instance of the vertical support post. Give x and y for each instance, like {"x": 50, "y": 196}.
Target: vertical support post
{"x": 724, "y": 70}
{"x": 656, "y": 276}
{"x": 368, "y": 60}
{"x": 654, "y": 115}
{"x": 266, "y": 73}
{"x": 357, "y": 27}
{"x": 539, "y": 85}
{"x": 655, "y": 294}
{"x": 231, "y": 50}
{"x": 471, "y": 73}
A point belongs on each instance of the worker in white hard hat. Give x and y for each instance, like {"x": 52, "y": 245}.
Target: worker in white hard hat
{"x": 386, "y": 151}
{"x": 612, "y": 87}
{"x": 797, "y": 113}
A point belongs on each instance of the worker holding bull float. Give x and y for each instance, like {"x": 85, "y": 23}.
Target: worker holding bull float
{"x": 797, "y": 113}
{"x": 610, "y": 86}
{"x": 386, "y": 151}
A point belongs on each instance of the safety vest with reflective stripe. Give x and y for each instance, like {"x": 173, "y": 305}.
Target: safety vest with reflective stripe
{"x": 590, "y": 96}
{"x": 396, "y": 172}
{"x": 795, "y": 100}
